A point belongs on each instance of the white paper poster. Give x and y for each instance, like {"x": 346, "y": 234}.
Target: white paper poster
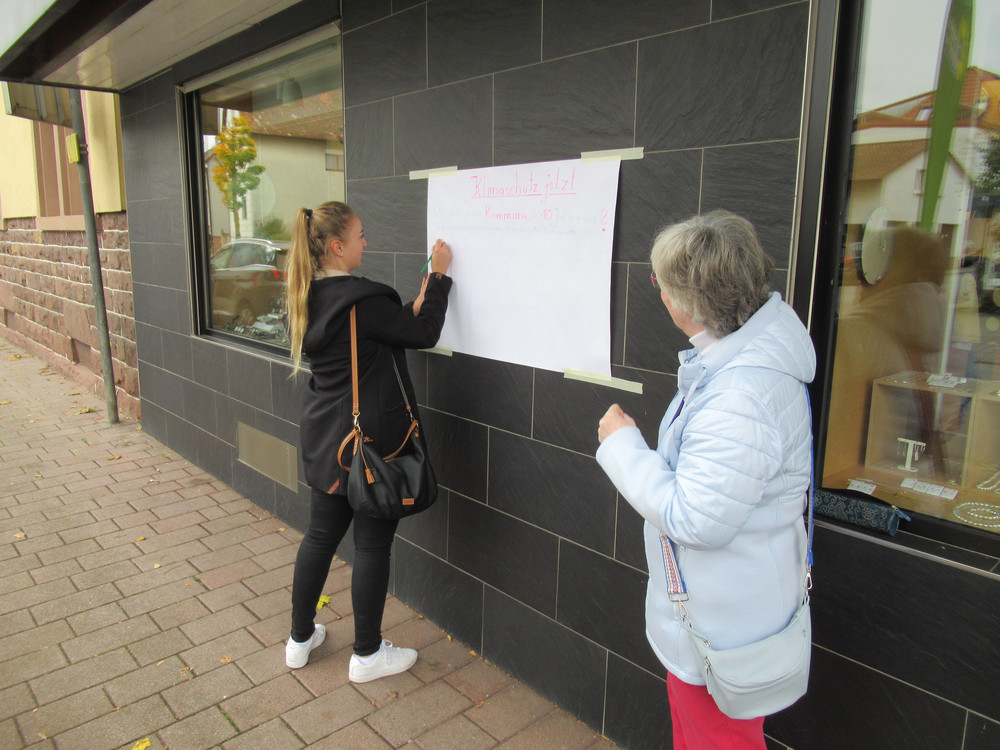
{"x": 532, "y": 261}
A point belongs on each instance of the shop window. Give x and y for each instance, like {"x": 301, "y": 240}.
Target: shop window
{"x": 262, "y": 132}
{"x": 915, "y": 395}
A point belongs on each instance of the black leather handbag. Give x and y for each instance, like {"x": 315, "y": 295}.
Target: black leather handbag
{"x": 393, "y": 486}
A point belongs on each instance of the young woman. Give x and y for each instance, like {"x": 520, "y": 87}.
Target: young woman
{"x": 327, "y": 244}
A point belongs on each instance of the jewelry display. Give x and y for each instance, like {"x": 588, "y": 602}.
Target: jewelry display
{"x": 990, "y": 483}
{"x": 913, "y": 449}
{"x": 979, "y": 514}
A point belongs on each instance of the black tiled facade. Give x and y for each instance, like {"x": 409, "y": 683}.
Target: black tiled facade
{"x": 529, "y": 555}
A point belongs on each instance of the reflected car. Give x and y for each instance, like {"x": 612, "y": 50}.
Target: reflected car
{"x": 247, "y": 280}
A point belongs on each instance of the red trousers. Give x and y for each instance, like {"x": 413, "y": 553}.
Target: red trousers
{"x": 700, "y": 725}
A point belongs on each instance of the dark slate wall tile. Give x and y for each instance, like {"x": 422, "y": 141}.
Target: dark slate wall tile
{"x": 567, "y": 411}
{"x": 559, "y": 109}
{"x": 604, "y": 601}
{"x": 254, "y": 486}
{"x": 368, "y": 140}
{"x": 148, "y": 175}
{"x": 216, "y": 457}
{"x": 651, "y": 339}
{"x": 164, "y": 389}
{"x": 918, "y": 600}
{"x": 429, "y": 530}
{"x": 657, "y": 190}
{"x": 162, "y": 307}
{"x": 728, "y": 8}
{"x": 379, "y": 267}
{"x": 441, "y": 592}
{"x": 149, "y": 345}
{"x": 359, "y": 12}
{"x": 386, "y": 58}
{"x": 209, "y": 365}
{"x": 504, "y": 552}
{"x": 182, "y": 436}
{"x": 751, "y": 93}
{"x": 154, "y": 418}
{"x": 393, "y": 211}
{"x": 849, "y": 705}
{"x": 177, "y": 354}
{"x": 158, "y": 218}
{"x": 758, "y": 183}
{"x": 229, "y": 412}
{"x": 577, "y": 25}
{"x": 981, "y": 734}
{"x": 630, "y": 546}
{"x": 458, "y": 451}
{"x": 250, "y": 379}
{"x": 443, "y": 127}
{"x": 160, "y": 263}
{"x": 468, "y": 38}
{"x": 483, "y": 390}
{"x": 287, "y": 392}
{"x": 149, "y": 128}
{"x": 619, "y": 311}
{"x": 199, "y": 406}
{"x": 408, "y": 275}
{"x": 560, "y": 664}
{"x": 637, "y": 715}
{"x": 561, "y": 491}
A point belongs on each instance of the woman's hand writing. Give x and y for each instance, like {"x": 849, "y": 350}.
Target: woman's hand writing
{"x": 440, "y": 257}
{"x": 612, "y": 421}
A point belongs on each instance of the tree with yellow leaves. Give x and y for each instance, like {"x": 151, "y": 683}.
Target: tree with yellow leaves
{"x": 234, "y": 172}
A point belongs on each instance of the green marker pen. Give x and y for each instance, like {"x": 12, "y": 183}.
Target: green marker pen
{"x": 424, "y": 266}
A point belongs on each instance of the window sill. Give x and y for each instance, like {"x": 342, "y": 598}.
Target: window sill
{"x": 61, "y": 223}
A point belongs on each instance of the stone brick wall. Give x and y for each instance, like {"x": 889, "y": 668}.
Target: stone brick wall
{"x": 47, "y": 303}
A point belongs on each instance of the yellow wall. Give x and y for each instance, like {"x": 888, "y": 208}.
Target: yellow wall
{"x": 104, "y": 137}
{"x": 18, "y": 178}
{"x": 18, "y": 182}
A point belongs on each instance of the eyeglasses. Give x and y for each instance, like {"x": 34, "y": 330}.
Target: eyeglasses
{"x": 652, "y": 277}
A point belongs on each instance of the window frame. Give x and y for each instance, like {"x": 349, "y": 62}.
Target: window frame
{"x": 196, "y": 191}
{"x": 826, "y": 184}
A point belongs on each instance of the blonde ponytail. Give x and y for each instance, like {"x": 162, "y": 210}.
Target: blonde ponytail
{"x": 311, "y": 232}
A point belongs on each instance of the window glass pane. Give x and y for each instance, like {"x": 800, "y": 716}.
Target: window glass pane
{"x": 272, "y": 141}
{"x": 915, "y": 401}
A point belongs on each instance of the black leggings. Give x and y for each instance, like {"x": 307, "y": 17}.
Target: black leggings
{"x": 329, "y": 517}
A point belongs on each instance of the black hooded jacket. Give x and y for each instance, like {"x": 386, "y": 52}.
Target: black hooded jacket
{"x": 385, "y": 329}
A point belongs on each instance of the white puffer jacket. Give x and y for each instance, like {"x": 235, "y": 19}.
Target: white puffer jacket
{"x": 728, "y": 484}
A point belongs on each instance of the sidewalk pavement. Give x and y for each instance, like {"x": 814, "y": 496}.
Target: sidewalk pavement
{"x": 145, "y": 604}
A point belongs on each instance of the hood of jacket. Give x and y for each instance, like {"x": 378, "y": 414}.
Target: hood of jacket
{"x": 786, "y": 348}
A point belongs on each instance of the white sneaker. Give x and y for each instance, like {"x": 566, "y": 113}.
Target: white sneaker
{"x": 388, "y": 660}
{"x": 297, "y": 654}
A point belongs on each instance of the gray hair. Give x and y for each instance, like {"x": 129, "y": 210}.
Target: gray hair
{"x": 713, "y": 268}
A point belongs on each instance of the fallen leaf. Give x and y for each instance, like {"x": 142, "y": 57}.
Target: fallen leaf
{"x": 141, "y": 539}
{"x": 113, "y": 458}
{"x": 86, "y": 410}
{"x": 156, "y": 565}
{"x": 473, "y": 653}
{"x": 225, "y": 660}
{"x": 4, "y": 403}
{"x": 323, "y": 601}
{"x": 282, "y": 529}
{"x": 480, "y": 704}
{"x": 20, "y": 535}
{"x": 13, "y": 357}
{"x": 142, "y": 744}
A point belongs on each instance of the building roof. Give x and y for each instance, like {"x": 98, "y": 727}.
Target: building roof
{"x": 873, "y": 161}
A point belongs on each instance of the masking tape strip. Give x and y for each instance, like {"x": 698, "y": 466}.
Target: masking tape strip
{"x": 438, "y": 350}
{"x": 612, "y": 382}
{"x": 613, "y": 153}
{"x": 423, "y": 174}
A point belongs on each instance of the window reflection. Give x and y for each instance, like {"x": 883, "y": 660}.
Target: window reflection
{"x": 915, "y": 399}
{"x": 272, "y": 141}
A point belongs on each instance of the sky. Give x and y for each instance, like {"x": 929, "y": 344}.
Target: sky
{"x": 903, "y": 43}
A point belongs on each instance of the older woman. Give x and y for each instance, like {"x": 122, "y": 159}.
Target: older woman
{"x": 727, "y": 484}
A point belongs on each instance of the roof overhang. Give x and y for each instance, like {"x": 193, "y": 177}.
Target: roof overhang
{"x": 114, "y": 44}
